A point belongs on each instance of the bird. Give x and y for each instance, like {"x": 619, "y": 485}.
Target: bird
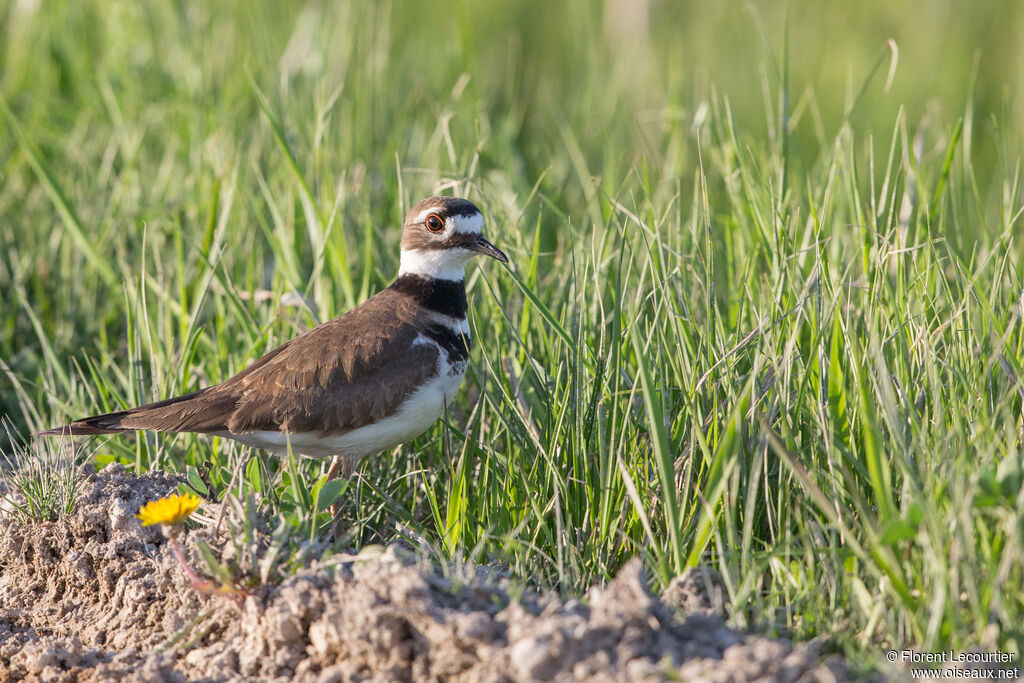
{"x": 373, "y": 378}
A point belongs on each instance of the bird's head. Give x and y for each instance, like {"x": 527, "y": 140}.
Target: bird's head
{"x": 441, "y": 234}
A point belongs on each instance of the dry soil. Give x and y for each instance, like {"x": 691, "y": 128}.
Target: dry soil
{"x": 97, "y": 597}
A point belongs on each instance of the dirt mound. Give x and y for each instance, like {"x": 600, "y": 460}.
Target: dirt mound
{"x": 97, "y": 597}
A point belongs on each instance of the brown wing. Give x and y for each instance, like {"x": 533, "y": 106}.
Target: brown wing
{"x": 344, "y": 374}
{"x": 341, "y": 375}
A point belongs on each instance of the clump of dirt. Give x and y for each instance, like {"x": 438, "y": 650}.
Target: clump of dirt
{"x": 97, "y": 597}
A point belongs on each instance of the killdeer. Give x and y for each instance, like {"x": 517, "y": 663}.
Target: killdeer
{"x": 366, "y": 381}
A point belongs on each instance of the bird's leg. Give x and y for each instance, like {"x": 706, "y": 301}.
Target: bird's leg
{"x": 335, "y": 466}
{"x": 341, "y": 466}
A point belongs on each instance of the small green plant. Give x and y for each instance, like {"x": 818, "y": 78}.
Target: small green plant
{"x": 251, "y": 555}
{"x": 268, "y": 525}
{"x": 39, "y": 479}
{"x": 170, "y": 513}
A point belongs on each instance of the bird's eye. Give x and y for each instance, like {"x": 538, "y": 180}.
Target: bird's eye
{"x": 434, "y": 223}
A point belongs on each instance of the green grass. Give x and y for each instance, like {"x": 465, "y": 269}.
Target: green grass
{"x": 39, "y": 481}
{"x": 764, "y": 308}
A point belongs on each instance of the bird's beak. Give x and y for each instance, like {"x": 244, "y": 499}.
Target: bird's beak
{"x": 482, "y": 246}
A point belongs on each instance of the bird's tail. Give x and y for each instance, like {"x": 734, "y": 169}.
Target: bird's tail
{"x": 90, "y": 426}
{"x": 171, "y": 415}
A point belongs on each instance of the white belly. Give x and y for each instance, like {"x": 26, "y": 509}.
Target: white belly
{"x": 413, "y": 417}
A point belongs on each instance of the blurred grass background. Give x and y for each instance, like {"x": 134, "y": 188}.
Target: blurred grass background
{"x": 764, "y": 309}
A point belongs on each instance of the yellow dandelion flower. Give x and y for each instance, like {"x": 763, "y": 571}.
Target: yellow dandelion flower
{"x": 170, "y": 510}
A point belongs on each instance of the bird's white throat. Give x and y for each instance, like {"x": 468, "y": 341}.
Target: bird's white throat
{"x": 441, "y": 264}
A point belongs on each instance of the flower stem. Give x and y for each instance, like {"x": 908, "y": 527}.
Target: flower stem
{"x": 237, "y": 595}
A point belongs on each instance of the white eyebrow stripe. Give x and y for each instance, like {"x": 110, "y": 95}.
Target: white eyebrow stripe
{"x": 472, "y": 224}
{"x": 468, "y": 225}
{"x": 422, "y": 215}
